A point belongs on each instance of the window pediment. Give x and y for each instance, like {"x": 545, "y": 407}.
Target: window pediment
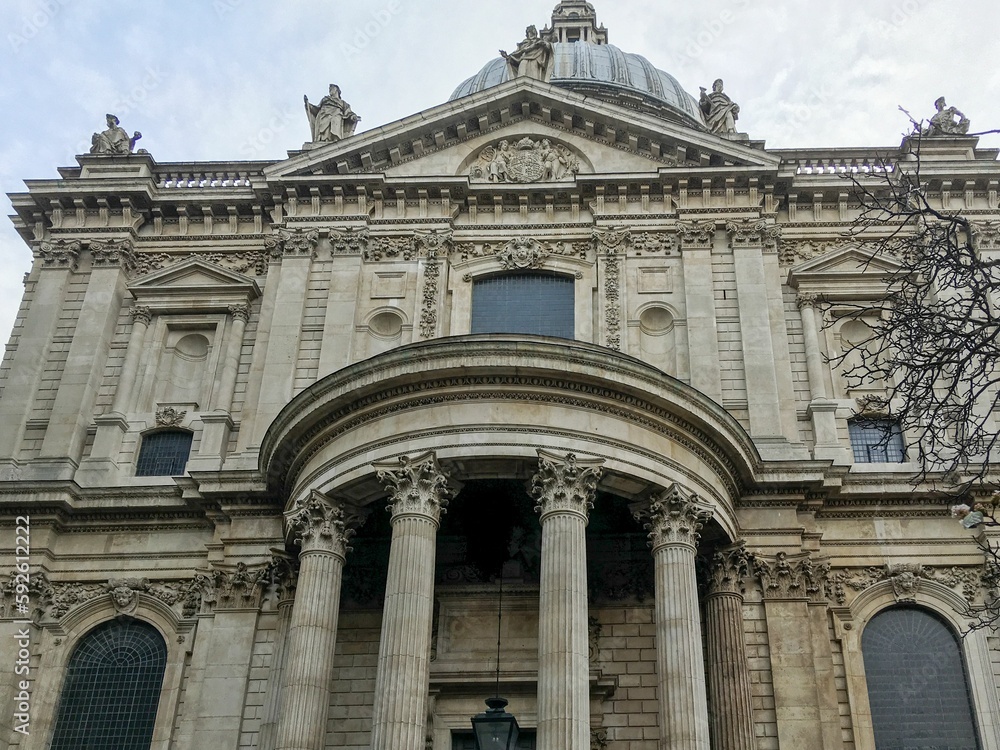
{"x": 194, "y": 285}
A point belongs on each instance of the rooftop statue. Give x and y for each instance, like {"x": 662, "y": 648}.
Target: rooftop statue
{"x": 332, "y": 119}
{"x": 721, "y": 112}
{"x": 114, "y": 141}
{"x": 947, "y": 121}
{"x": 532, "y": 58}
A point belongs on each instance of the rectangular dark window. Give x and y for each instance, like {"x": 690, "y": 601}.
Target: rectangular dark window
{"x": 163, "y": 454}
{"x": 535, "y": 303}
{"x": 876, "y": 441}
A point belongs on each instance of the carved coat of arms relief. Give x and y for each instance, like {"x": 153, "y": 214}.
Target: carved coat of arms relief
{"x": 525, "y": 161}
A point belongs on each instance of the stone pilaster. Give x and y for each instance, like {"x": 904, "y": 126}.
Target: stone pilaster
{"x": 141, "y": 318}
{"x": 564, "y": 489}
{"x": 418, "y": 495}
{"x": 821, "y": 408}
{"x": 696, "y": 240}
{"x": 55, "y": 263}
{"x": 322, "y": 530}
{"x": 73, "y": 408}
{"x": 230, "y": 367}
{"x": 747, "y": 239}
{"x": 674, "y": 520}
{"x": 788, "y": 584}
{"x": 729, "y": 692}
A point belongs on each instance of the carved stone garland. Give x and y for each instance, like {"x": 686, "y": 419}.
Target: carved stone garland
{"x": 611, "y": 245}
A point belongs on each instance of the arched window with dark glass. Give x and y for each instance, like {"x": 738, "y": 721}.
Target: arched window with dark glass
{"x": 164, "y": 453}
{"x": 917, "y": 686}
{"x": 533, "y": 303}
{"x": 112, "y": 689}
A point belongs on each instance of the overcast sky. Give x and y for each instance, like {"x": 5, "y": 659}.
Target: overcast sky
{"x": 224, "y": 79}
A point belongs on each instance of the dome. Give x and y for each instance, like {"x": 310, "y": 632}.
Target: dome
{"x": 605, "y": 72}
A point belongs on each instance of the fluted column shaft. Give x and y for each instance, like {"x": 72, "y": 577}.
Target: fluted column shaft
{"x": 564, "y": 488}
{"x": 729, "y": 692}
{"x": 230, "y": 367}
{"x": 673, "y": 521}
{"x": 141, "y": 318}
{"x": 320, "y": 528}
{"x": 419, "y": 492}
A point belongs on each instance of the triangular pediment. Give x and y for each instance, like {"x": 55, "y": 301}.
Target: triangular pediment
{"x": 443, "y": 141}
{"x": 846, "y": 272}
{"x": 194, "y": 284}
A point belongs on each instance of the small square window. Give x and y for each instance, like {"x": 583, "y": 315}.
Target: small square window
{"x": 876, "y": 441}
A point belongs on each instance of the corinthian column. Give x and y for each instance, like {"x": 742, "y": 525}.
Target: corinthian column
{"x": 322, "y": 531}
{"x": 731, "y": 718}
{"x": 418, "y": 494}
{"x": 141, "y": 317}
{"x": 673, "y": 521}
{"x": 564, "y": 488}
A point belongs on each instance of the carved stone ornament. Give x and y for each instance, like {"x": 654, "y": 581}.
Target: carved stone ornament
{"x": 674, "y": 518}
{"x": 565, "y": 484}
{"x": 141, "y": 314}
{"x": 62, "y": 253}
{"x": 752, "y": 233}
{"x": 417, "y": 487}
{"x": 873, "y": 407}
{"x": 986, "y": 235}
{"x": 525, "y": 161}
{"x": 119, "y": 254}
{"x": 726, "y": 570}
{"x": 598, "y": 739}
{"x": 302, "y": 242}
{"x": 391, "y": 248}
{"x": 521, "y": 254}
{"x": 696, "y": 235}
{"x": 318, "y": 525}
{"x": 612, "y": 303}
{"x": 806, "y": 299}
{"x": 168, "y": 416}
{"x": 655, "y": 243}
{"x": 792, "y": 578}
{"x": 612, "y": 241}
{"x": 349, "y": 241}
{"x": 906, "y": 580}
{"x": 240, "y": 312}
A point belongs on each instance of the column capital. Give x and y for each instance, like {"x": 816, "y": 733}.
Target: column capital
{"x": 141, "y": 314}
{"x": 240, "y": 312}
{"x": 797, "y": 577}
{"x": 674, "y": 518}
{"x": 417, "y": 487}
{"x": 696, "y": 235}
{"x": 808, "y": 299}
{"x": 60, "y": 253}
{"x": 319, "y": 525}
{"x": 565, "y": 484}
{"x": 113, "y": 254}
{"x": 726, "y": 570}
{"x": 753, "y": 233}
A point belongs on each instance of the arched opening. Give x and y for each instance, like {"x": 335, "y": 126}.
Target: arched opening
{"x": 917, "y": 685}
{"x": 112, "y": 688}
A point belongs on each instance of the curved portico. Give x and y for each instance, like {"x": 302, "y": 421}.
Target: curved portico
{"x": 521, "y": 407}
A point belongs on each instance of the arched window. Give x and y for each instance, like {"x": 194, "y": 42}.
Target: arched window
{"x": 164, "y": 453}
{"x": 112, "y": 689}
{"x": 917, "y": 686}
{"x": 533, "y": 303}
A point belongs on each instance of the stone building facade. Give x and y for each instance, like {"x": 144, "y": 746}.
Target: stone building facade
{"x": 288, "y": 433}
